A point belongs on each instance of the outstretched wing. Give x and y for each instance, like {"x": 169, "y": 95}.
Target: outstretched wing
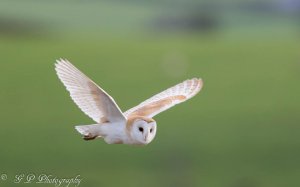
{"x": 166, "y": 99}
{"x": 88, "y": 96}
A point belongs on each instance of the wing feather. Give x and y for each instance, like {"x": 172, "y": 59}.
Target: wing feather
{"x": 166, "y": 99}
{"x": 88, "y": 96}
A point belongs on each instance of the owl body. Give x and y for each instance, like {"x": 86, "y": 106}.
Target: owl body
{"x": 114, "y": 133}
{"x": 135, "y": 126}
{"x": 134, "y": 131}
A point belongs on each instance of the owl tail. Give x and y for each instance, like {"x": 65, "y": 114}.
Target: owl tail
{"x": 89, "y": 132}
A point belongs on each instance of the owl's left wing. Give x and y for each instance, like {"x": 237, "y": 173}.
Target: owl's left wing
{"x": 166, "y": 99}
{"x": 88, "y": 96}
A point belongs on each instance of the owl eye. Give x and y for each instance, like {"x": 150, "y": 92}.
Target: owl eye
{"x": 141, "y": 129}
{"x": 151, "y": 130}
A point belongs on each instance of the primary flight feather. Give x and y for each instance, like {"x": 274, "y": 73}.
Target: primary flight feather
{"x": 135, "y": 126}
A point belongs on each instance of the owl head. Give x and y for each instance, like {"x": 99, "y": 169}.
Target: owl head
{"x": 142, "y": 130}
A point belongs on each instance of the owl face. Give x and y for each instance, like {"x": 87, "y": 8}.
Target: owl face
{"x": 143, "y": 132}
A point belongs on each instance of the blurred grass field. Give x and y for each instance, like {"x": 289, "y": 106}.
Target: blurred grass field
{"x": 242, "y": 130}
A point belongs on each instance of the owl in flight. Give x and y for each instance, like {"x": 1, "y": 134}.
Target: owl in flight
{"x": 135, "y": 126}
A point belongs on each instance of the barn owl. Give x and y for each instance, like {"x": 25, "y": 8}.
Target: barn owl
{"x": 135, "y": 126}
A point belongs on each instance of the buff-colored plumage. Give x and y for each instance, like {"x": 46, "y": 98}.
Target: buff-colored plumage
{"x": 135, "y": 126}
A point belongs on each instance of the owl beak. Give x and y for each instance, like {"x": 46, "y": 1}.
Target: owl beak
{"x": 146, "y": 136}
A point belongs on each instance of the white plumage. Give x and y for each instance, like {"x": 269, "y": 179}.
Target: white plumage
{"x": 135, "y": 126}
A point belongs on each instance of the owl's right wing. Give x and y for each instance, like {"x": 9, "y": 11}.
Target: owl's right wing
{"x": 88, "y": 96}
{"x": 167, "y": 99}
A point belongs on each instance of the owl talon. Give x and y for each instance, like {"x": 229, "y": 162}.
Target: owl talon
{"x": 89, "y": 137}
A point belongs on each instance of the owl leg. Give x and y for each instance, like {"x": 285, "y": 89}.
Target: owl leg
{"x": 89, "y": 132}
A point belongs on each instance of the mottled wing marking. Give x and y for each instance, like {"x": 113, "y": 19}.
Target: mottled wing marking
{"x": 166, "y": 99}
{"x": 88, "y": 96}
{"x": 157, "y": 106}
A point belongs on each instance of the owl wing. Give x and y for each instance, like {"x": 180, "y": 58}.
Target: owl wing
{"x": 88, "y": 96}
{"x": 166, "y": 99}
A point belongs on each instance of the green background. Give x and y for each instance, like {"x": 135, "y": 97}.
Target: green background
{"x": 242, "y": 130}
